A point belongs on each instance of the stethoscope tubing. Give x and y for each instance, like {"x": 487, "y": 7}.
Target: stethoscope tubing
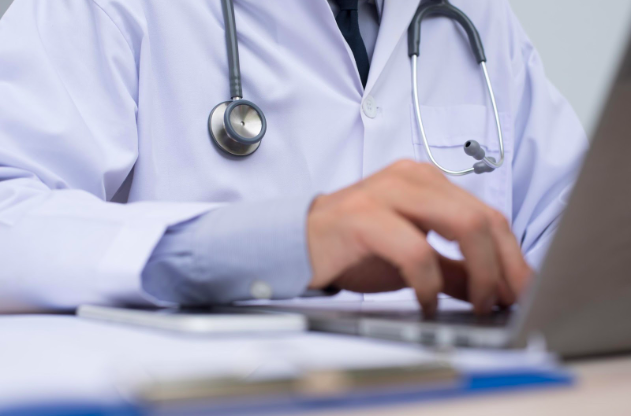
{"x": 498, "y": 123}
{"x": 444, "y": 8}
{"x": 421, "y": 127}
{"x": 226, "y": 136}
{"x": 232, "y": 47}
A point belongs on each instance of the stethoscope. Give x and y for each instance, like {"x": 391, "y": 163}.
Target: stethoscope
{"x": 238, "y": 126}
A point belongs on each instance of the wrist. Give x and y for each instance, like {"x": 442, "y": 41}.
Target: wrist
{"x": 315, "y": 226}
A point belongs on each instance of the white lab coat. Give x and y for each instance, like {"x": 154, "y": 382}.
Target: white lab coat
{"x": 93, "y": 90}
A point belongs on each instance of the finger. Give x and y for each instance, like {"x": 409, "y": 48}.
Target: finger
{"x": 399, "y": 242}
{"x": 455, "y": 278}
{"x": 516, "y": 270}
{"x": 482, "y": 262}
{"x": 433, "y": 207}
{"x": 508, "y": 253}
{"x": 506, "y": 297}
{"x": 456, "y": 282}
{"x": 455, "y": 216}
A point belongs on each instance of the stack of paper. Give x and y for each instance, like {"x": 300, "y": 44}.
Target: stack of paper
{"x": 62, "y": 359}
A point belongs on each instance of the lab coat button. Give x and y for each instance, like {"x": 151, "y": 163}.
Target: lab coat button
{"x": 260, "y": 290}
{"x": 370, "y": 107}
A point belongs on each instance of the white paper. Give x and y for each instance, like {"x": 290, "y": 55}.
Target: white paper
{"x": 55, "y": 358}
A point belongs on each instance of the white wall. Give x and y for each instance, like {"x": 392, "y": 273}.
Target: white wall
{"x": 579, "y": 41}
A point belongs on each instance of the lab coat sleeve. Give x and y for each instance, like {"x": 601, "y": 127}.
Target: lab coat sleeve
{"x": 68, "y": 140}
{"x": 549, "y": 147}
{"x": 239, "y": 252}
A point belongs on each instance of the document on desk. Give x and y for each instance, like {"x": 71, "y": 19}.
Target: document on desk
{"x": 63, "y": 357}
{"x": 51, "y": 359}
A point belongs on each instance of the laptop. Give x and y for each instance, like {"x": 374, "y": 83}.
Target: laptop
{"x": 580, "y": 302}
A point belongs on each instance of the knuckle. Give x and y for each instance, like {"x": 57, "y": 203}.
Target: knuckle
{"x": 409, "y": 167}
{"x": 358, "y": 202}
{"x": 387, "y": 182}
{"x": 498, "y": 219}
{"x": 474, "y": 222}
{"x": 427, "y": 168}
{"x": 489, "y": 280}
{"x": 418, "y": 253}
{"x": 419, "y": 257}
{"x": 431, "y": 171}
{"x": 404, "y": 165}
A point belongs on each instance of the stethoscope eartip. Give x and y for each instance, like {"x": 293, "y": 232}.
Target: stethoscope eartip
{"x": 482, "y": 167}
{"x": 473, "y": 149}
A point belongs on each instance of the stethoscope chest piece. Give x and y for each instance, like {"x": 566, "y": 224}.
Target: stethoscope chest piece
{"x": 237, "y": 127}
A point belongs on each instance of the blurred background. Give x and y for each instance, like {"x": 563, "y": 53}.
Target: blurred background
{"x": 580, "y": 43}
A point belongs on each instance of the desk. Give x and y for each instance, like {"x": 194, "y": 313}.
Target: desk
{"x": 603, "y": 388}
{"x": 46, "y": 359}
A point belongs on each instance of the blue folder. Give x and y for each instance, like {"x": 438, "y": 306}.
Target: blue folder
{"x": 468, "y": 385}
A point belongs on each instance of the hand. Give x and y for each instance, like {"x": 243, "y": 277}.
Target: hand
{"x": 371, "y": 237}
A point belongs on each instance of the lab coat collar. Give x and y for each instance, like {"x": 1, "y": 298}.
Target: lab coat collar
{"x": 396, "y": 16}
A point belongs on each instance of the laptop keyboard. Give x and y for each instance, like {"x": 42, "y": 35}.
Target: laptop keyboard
{"x": 496, "y": 319}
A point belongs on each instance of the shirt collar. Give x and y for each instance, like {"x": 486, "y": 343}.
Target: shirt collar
{"x": 379, "y": 5}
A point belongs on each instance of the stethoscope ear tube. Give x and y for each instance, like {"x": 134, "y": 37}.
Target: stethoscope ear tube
{"x": 443, "y": 8}
{"x": 471, "y": 148}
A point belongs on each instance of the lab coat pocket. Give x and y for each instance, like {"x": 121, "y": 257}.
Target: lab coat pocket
{"x": 448, "y": 128}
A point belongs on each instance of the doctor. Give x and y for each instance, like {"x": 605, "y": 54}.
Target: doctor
{"x": 112, "y": 190}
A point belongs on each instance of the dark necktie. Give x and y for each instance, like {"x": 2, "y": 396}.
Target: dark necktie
{"x": 348, "y": 22}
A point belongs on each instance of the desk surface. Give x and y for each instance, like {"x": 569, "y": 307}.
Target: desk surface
{"x": 603, "y": 387}
{"x": 48, "y": 358}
